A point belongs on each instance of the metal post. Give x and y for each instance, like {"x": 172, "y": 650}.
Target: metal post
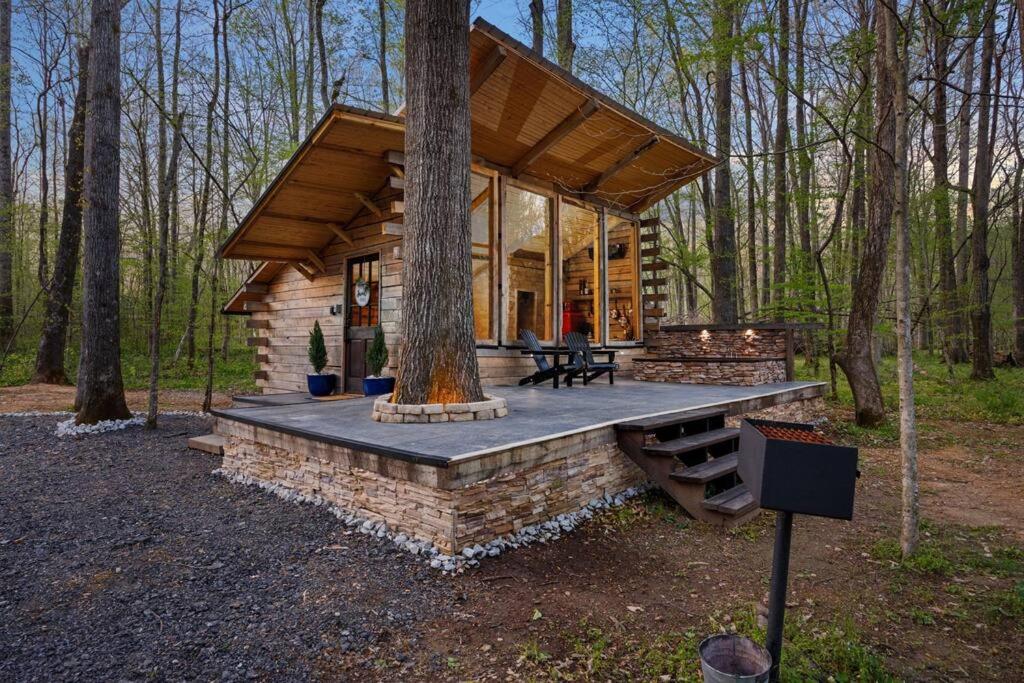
{"x": 777, "y": 591}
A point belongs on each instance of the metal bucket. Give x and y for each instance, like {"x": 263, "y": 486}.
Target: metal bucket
{"x": 729, "y": 658}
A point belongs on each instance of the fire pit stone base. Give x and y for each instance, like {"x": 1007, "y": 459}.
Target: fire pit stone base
{"x": 490, "y": 408}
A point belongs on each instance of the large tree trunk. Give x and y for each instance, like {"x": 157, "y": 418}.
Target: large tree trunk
{"x": 723, "y": 255}
{"x": 981, "y": 307}
{"x": 857, "y": 360}
{"x": 6, "y": 179}
{"x": 781, "y": 142}
{"x": 896, "y": 63}
{"x": 564, "y": 33}
{"x": 537, "y": 24}
{"x": 963, "y": 254}
{"x": 100, "y": 387}
{"x": 952, "y": 348}
{"x": 437, "y": 363}
{"x": 53, "y": 342}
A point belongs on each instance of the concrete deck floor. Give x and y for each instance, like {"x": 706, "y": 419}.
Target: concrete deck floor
{"x": 535, "y": 414}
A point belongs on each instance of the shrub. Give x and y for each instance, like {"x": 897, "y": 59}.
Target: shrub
{"x": 377, "y": 354}
{"x": 317, "y": 348}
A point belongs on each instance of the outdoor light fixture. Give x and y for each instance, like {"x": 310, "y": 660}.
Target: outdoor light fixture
{"x": 705, "y": 335}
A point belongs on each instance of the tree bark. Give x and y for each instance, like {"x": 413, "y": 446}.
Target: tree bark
{"x": 981, "y": 307}
{"x": 963, "y": 256}
{"x": 723, "y": 255}
{"x": 781, "y": 142}
{"x": 53, "y": 341}
{"x": 566, "y": 44}
{"x": 537, "y": 24}
{"x": 322, "y": 50}
{"x": 382, "y": 55}
{"x": 857, "y": 359}
{"x": 437, "y": 363}
{"x": 100, "y": 387}
{"x": 896, "y": 62}
{"x": 748, "y": 134}
{"x": 6, "y": 179}
{"x": 952, "y": 340}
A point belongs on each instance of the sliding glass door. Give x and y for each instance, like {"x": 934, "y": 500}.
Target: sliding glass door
{"x": 579, "y": 232}
{"x": 527, "y": 235}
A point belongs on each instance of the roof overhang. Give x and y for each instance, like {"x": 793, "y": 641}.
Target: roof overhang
{"x": 530, "y": 119}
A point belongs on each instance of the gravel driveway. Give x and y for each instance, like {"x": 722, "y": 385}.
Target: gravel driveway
{"x": 123, "y": 557}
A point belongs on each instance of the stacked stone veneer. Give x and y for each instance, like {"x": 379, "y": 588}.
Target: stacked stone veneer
{"x": 386, "y": 411}
{"x": 741, "y": 356}
{"x": 453, "y": 507}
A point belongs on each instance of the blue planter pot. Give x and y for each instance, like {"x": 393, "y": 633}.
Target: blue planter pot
{"x": 321, "y": 385}
{"x": 375, "y": 386}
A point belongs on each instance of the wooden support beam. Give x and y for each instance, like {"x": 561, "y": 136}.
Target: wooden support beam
{"x": 368, "y": 203}
{"x": 255, "y": 306}
{"x": 653, "y": 266}
{"x": 555, "y": 135}
{"x": 283, "y": 252}
{"x": 257, "y": 341}
{"x": 341, "y": 234}
{"x": 301, "y": 268}
{"x": 396, "y": 182}
{"x": 394, "y": 157}
{"x": 397, "y": 207}
{"x": 255, "y": 288}
{"x": 262, "y": 358}
{"x": 654, "y": 282}
{"x": 257, "y": 324}
{"x": 487, "y": 69}
{"x": 648, "y": 237}
{"x": 622, "y": 163}
{"x": 392, "y": 228}
{"x": 650, "y": 222}
{"x": 650, "y": 251}
{"x": 398, "y": 171}
{"x": 260, "y": 374}
{"x": 655, "y": 297}
{"x": 484, "y": 195}
{"x": 315, "y": 259}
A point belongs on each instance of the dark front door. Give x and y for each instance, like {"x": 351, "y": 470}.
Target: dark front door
{"x": 362, "y": 318}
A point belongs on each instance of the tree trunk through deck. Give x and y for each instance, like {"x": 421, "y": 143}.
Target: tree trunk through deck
{"x": 856, "y": 359}
{"x": 100, "y": 387}
{"x": 723, "y": 256}
{"x": 437, "y": 363}
{"x": 53, "y": 341}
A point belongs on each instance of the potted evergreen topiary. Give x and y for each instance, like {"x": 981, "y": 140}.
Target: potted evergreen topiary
{"x": 319, "y": 384}
{"x": 376, "y": 359}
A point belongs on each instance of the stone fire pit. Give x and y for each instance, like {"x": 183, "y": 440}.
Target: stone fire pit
{"x": 386, "y": 411}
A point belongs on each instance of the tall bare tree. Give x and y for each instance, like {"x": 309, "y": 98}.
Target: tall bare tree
{"x": 100, "y": 387}
{"x": 537, "y": 25}
{"x": 382, "y": 54}
{"x": 438, "y": 361}
{"x": 981, "y": 306}
{"x": 6, "y": 179}
{"x": 723, "y": 255}
{"x": 857, "y": 359}
{"x": 49, "y": 367}
{"x": 781, "y": 143}
{"x": 566, "y": 43}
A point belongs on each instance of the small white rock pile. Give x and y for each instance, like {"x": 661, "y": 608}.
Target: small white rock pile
{"x": 69, "y": 428}
{"x": 542, "y": 532}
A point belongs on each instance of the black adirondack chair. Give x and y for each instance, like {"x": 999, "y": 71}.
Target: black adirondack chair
{"x": 545, "y": 370}
{"x": 588, "y": 368}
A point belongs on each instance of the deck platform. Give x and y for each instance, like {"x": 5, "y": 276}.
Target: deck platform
{"x": 457, "y": 484}
{"x": 536, "y": 414}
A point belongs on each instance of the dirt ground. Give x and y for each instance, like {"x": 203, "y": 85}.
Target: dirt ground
{"x": 47, "y": 397}
{"x": 629, "y": 595}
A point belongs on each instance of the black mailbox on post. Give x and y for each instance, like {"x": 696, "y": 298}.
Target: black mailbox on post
{"x": 789, "y": 467}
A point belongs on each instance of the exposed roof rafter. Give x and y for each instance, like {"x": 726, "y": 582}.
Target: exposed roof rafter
{"x": 556, "y": 135}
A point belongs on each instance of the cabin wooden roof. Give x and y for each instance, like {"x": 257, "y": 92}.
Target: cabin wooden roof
{"x": 530, "y": 119}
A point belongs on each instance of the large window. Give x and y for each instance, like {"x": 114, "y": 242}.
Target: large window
{"x": 527, "y": 236}
{"x": 580, "y": 239}
{"x": 484, "y": 244}
{"x": 623, "y": 281}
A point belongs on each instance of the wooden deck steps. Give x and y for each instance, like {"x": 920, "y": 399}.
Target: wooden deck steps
{"x": 208, "y": 443}
{"x": 692, "y": 456}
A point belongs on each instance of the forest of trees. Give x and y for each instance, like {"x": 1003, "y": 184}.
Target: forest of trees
{"x": 855, "y": 132}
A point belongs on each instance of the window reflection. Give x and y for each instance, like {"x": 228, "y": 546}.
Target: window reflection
{"x": 527, "y": 234}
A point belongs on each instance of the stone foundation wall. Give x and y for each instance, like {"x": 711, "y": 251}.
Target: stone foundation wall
{"x": 802, "y": 410}
{"x": 717, "y": 343}
{"x": 743, "y": 373}
{"x": 561, "y": 477}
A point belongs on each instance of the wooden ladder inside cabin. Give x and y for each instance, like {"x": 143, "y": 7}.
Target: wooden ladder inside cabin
{"x": 692, "y": 456}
